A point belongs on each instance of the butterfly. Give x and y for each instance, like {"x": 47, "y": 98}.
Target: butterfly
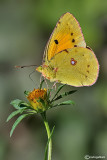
{"x": 66, "y": 58}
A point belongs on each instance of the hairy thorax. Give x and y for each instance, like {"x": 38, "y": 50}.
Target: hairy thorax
{"x": 47, "y": 71}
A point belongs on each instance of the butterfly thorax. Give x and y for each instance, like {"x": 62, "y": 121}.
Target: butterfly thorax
{"x": 47, "y": 71}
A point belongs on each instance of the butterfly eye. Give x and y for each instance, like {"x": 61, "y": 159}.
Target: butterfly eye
{"x": 56, "y": 41}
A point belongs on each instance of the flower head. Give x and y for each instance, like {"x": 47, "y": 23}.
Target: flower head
{"x": 38, "y": 99}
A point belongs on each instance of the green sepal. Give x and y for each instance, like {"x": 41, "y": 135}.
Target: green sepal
{"x": 26, "y": 93}
{"x": 64, "y": 94}
{"x": 17, "y": 122}
{"x": 46, "y": 148}
{"x": 42, "y": 101}
{"x": 44, "y": 104}
{"x": 19, "y": 104}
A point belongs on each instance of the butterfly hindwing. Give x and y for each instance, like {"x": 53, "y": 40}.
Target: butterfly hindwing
{"x": 67, "y": 34}
{"x": 78, "y": 67}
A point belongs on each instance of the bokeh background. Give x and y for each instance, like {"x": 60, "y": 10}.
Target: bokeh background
{"x": 25, "y": 26}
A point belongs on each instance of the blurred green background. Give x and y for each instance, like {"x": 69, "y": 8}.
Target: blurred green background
{"x": 25, "y": 26}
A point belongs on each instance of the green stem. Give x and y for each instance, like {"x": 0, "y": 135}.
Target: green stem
{"x": 48, "y": 134}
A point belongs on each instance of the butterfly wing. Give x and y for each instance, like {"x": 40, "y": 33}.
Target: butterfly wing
{"x": 78, "y": 67}
{"x": 67, "y": 34}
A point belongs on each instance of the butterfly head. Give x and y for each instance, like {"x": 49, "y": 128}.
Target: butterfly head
{"x": 39, "y": 69}
{"x": 42, "y": 68}
{"x": 47, "y": 71}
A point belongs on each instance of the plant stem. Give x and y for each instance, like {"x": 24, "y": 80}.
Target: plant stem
{"x": 48, "y": 134}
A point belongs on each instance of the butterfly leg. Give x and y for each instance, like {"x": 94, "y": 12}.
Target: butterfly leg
{"x": 54, "y": 85}
{"x": 44, "y": 80}
{"x": 41, "y": 78}
{"x": 46, "y": 83}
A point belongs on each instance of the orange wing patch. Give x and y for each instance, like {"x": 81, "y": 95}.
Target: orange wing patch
{"x": 67, "y": 34}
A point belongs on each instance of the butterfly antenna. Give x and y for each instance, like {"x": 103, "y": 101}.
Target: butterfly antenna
{"x": 25, "y": 66}
{"x": 30, "y": 73}
{"x": 31, "y": 78}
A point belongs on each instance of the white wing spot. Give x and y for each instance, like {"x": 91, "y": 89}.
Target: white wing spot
{"x": 73, "y": 61}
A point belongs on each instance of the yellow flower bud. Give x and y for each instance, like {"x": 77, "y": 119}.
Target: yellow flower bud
{"x": 35, "y": 95}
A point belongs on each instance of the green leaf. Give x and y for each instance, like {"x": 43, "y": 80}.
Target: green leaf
{"x": 46, "y": 148}
{"x": 13, "y": 114}
{"x": 24, "y": 105}
{"x": 41, "y": 83}
{"x": 26, "y": 93}
{"x": 69, "y": 102}
{"x": 59, "y": 88}
{"x": 17, "y": 122}
{"x": 17, "y": 112}
{"x": 15, "y": 103}
{"x": 19, "y": 104}
{"x": 33, "y": 111}
{"x": 65, "y": 94}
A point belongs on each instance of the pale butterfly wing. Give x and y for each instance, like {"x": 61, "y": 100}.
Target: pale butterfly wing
{"x": 76, "y": 67}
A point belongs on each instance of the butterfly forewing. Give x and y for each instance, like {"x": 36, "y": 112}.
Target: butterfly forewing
{"x": 67, "y": 34}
